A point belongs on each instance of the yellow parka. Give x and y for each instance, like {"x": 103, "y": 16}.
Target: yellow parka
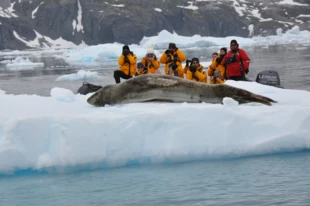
{"x": 128, "y": 64}
{"x": 199, "y": 76}
{"x": 178, "y": 57}
{"x": 151, "y": 65}
{"x": 216, "y": 66}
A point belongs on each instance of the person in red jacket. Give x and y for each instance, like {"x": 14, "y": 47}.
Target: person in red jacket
{"x": 236, "y": 62}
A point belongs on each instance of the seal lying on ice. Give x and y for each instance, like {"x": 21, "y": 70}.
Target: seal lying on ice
{"x": 154, "y": 87}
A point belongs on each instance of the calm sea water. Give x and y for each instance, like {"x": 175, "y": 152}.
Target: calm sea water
{"x": 282, "y": 179}
{"x": 266, "y": 180}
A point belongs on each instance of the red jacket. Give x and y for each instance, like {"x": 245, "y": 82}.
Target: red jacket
{"x": 236, "y": 63}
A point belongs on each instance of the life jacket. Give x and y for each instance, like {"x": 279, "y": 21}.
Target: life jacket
{"x": 128, "y": 64}
{"x": 152, "y": 66}
{"x": 217, "y": 65}
{"x": 199, "y": 76}
{"x": 236, "y": 63}
{"x": 173, "y": 60}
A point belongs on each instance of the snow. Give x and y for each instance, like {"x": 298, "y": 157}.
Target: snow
{"x": 80, "y": 75}
{"x": 79, "y": 26}
{"x": 8, "y": 12}
{"x": 35, "y": 10}
{"x": 57, "y": 43}
{"x": 251, "y": 29}
{"x": 64, "y": 131}
{"x": 118, "y": 5}
{"x": 291, "y": 2}
{"x": 239, "y": 8}
{"x": 190, "y": 6}
{"x": 303, "y": 15}
{"x": 158, "y": 9}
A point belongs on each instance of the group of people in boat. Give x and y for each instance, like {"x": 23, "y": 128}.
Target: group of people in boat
{"x": 233, "y": 64}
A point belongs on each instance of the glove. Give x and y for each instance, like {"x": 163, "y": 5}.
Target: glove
{"x": 125, "y": 52}
{"x": 193, "y": 69}
{"x": 187, "y": 62}
{"x": 246, "y": 70}
{"x": 219, "y": 60}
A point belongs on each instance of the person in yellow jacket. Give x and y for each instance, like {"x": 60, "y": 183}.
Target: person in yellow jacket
{"x": 141, "y": 69}
{"x": 195, "y": 71}
{"x": 173, "y": 58}
{"x": 127, "y": 62}
{"x": 217, "y": 70}
{"x": 151, "y": 62}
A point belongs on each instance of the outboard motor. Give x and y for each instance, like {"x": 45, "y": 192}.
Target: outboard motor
{"x": 88, "y": 88}
{"x": 269, "y": 77}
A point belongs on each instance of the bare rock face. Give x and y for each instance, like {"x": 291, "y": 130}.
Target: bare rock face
{"x": 127, "y": 21}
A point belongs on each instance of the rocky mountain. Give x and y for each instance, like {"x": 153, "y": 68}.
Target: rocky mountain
{"x": 43, "y": 23}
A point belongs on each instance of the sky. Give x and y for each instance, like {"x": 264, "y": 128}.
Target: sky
{"x": 62, "y": 132}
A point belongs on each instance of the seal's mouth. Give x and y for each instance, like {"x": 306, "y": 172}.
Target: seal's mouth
{"x": 94, "y": 100}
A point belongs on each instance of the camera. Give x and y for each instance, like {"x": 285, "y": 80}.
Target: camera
{"x": 230, "y": 60}
{"x": 173, "y": 65}
{"x": 125, "y": 52}
{"x": 216, "y": 73}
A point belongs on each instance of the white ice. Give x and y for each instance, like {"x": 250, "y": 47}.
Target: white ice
{"x": 20, "y": 63}
{"x": 80, "y": 75}
{"x": 64, "y": 131}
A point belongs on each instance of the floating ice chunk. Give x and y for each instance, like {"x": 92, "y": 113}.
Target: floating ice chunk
{"x": 63, "y": 95}
{"x": 279, "y": 32}
{"x": 19, "y": 63}
{"x": 80, "y": 75}
{"x": 294, "y": 30}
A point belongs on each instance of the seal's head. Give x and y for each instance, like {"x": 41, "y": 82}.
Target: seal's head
{"x": 95, "y": 99}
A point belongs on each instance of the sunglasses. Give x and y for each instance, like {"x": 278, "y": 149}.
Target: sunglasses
{"x": 140, "y": 67}
{"x": 195, "y": 62}
{"x": 233, "y": 45}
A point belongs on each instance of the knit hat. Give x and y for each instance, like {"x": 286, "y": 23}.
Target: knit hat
{"x": 126, "y": 47}
{"x": 233, "y": 41}
{"x": 140, "y": 64}
{"x": 224, "y": 49}
{"x": 150, "y": 50}
{"x": 195, "y": 59}
{"x": 172, "y": 45}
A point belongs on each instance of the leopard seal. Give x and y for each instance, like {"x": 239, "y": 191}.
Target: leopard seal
{"x": 156, "y": 87}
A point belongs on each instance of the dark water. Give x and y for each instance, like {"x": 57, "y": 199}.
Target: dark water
{"x": 290, "y": 61}
{"x": 266, "y": 180}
